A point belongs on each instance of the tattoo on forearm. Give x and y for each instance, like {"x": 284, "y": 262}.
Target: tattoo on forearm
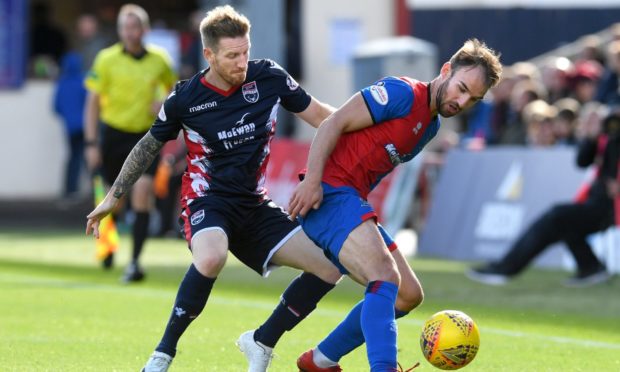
{"x": 139, "y": 159}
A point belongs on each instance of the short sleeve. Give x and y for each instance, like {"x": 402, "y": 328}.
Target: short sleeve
{"x": 293, "y": 97}
{"x": 168, "y": 76}
{"x": 96, "y": 77}
{"x": 389, "y": 98}
{"x": 167, "y": 124}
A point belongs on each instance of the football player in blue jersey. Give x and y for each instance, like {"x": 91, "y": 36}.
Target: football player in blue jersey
{"x": 227, "y": 114}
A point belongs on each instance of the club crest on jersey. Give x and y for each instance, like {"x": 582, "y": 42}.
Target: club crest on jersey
{"x": 197, "y": 217}
{"x": 250, "y": 92}
{"x": 380, "y": 94}
{"x": 292, "y": 84}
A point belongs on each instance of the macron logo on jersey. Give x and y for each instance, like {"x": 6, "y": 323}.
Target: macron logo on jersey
{"x": 204, "y": 106}
{"x": 380, "y": 94}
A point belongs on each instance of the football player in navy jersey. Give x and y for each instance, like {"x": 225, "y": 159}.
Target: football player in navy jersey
{"x": 228, "y": 116}
{"x": 378, "y": 128}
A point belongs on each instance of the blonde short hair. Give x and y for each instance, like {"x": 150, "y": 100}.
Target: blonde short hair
{"x": 136, "y": 11}
{"x": 222, "y": 21}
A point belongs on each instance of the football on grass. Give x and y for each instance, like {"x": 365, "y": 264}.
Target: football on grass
{"x": 450, "y": 339}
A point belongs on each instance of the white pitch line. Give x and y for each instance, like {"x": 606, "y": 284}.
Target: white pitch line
{"x": 268, "y": 305}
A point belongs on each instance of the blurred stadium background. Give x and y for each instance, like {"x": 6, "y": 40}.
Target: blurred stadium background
{"x": 466, "y": 199}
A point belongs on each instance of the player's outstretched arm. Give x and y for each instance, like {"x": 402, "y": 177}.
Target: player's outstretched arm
{"x": 138, "y": 160}
{"x": 352, "y": 116}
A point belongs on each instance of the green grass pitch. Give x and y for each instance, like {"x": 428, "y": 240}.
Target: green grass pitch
{"x": 60, "y": 312}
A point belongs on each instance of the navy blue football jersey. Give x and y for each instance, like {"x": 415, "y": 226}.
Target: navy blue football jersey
{"x": 227, "y": 133}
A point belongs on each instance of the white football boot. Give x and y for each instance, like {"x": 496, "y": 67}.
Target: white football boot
{"x": 158, "y": 362}
{"x": 258, "y": 355}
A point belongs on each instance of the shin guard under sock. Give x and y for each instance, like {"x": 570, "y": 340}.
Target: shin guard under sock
{"x": 298, "y": 300}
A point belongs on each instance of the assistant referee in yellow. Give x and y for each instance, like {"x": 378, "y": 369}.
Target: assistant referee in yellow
{"x": 126, "y": 86}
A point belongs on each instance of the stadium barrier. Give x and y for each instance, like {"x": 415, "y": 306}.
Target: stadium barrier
{"x": 484, "y": 200}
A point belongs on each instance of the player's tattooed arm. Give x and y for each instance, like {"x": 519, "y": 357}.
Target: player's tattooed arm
{"x": 138, "y": 160}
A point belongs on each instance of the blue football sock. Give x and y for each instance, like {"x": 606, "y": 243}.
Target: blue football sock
{"x": 191, "y": 300}
{"x": 348, "y": 335}
{"x": 345, "y": 337}
{"x": 379, "y": 325}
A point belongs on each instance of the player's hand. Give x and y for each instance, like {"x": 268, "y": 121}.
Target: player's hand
{"x": 306, "y": 195}
{"x": 94, "y": 217}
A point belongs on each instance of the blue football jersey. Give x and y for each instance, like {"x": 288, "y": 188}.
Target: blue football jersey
{"x": 227, "y": 133}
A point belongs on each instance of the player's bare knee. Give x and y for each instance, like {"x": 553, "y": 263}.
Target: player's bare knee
{"x": 393, "y": 276}
{"x": 409, "y": 297}
{"x": 389, "y": 271}
{"x": 210, "y": 265}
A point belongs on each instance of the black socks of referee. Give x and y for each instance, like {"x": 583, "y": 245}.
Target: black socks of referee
{"x": 298, "y": 300}
{"x": 140, "y": 231}
{"x": 191, "y": 300}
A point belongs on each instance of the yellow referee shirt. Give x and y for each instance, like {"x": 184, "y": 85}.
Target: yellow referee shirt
{"x": 128, "y": 86}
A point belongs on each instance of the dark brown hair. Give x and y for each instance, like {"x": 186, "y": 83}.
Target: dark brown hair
{"x": 476, "y": 53}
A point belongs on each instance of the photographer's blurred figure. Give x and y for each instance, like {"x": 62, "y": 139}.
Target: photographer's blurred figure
{"x": 571, "y": 223}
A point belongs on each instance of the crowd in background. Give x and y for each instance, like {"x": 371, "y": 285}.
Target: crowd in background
{"x": 547, "y": 103}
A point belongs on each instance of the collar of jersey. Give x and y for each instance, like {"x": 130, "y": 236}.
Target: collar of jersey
{"x": 225, "y": 93}
{"x": 138, "y": 56}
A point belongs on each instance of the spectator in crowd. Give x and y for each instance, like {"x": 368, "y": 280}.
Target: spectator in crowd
{"x": 608, "y": 90}
{"x": 191, "y": 47}
{"x": 538, "y": 117}
{"x": 583, "y": 80}
{"x": 124, "y": 83}
{"x": 500, "y": 101}
{"x": 566, "y": 120}
{"x": 554, "y": 76}
{"x": 524, "y": 92}
{"x": 69, "y": 99}
{"x": 89, "y": 40}
{"x": 570, "y": 223}
{"x": 526, "y": 71}
{"x": 476, "y": 125}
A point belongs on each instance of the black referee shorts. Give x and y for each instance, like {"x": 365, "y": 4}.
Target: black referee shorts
{"x": 255, "y": 230}
{"x": 115, "y": 147}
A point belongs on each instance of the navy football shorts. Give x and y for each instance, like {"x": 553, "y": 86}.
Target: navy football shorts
{"x": 341, "y": 211}
{"x": 115, "y": 147}
{"x": 255, "y": 231}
